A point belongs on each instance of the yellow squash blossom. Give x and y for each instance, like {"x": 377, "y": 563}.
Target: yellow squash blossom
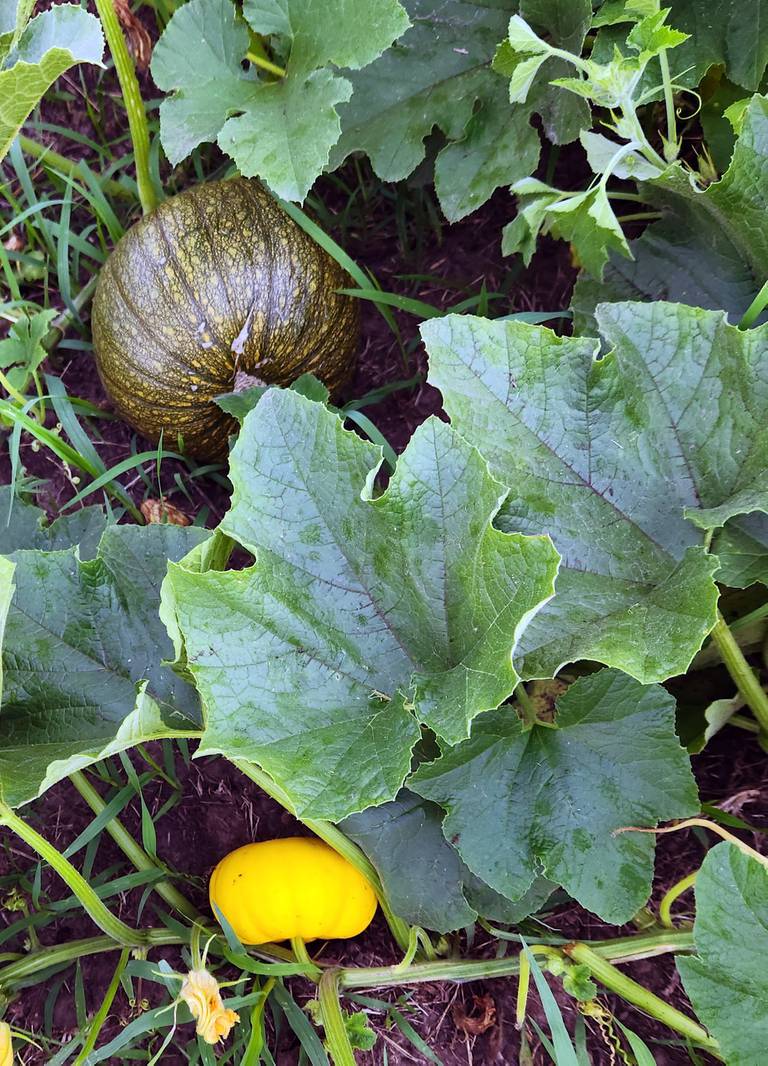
{"x": 200, "y": 992}
{"x": 6, "y": 1050}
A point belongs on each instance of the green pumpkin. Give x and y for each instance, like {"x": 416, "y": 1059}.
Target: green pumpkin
{"x": 216, "y": 289}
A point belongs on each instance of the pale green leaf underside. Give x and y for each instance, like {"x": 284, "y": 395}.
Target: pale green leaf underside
{"x": 547, "y": 801}
{"x": 83, "y": 653}
{"x": 280, "y": 130}
{"x": 424, "y": 878}
{"x": 710, "y": 248}
{"x": 51, "y": 43}
{"x": 727, "y": 981}
{"x": 607, "y": 456}
{"x": 304, "y": 660}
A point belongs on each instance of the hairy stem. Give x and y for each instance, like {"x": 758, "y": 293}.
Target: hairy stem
{"x": 634, "y": 993}
{"x": 131, "y": 848}
{"x": 621, "y": 949}
{"x": 93, "y": 905}
{"x": 742, "y": 673}
{"x": 333, "y": 1020}
{"x": 134, "y": 105}
{"x": 266, "y": 64}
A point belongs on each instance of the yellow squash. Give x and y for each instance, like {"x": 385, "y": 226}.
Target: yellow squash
{"x": 292, "y": 887}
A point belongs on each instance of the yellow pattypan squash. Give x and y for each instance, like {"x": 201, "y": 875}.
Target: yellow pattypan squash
{"x": 293, "y": 887}
{"x": 6, "y": 1048}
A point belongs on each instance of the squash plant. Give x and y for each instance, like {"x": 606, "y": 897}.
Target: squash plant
{"x": 455, "y": 680}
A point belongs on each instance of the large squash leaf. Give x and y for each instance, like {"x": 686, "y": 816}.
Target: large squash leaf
{"x": 439, "y": 75}
{"x": 710, "y": 248}
{"x": 424, "y": 878}
{"x": 34, "y": 55}
{"x": 361, "y": 615}
{"x": 83, "y": 657}
{"x": 547, "y": 800}
{"x": 727, "y": 981}
{"x": 618, "y": 459}
{"x": 280, "y": 130}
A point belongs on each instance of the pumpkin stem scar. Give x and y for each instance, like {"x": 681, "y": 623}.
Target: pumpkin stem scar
{"x": 245, "y": 381}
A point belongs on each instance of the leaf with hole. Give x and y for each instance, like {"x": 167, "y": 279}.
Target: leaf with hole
{"x": 280, "y": 128}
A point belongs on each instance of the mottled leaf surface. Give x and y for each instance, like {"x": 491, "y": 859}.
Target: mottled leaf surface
{"x": 358, "y": 611}
{"x": 609, "y": 456}
{"x": 424, "y": 878}
{"x": 83, "y": 657}
{"x": 727, "y": 980}
{"x": 51, "y": 43}
{"x": 546, "y": 801}
{"x": 280, "y": 129}
{"x": 710, "y": 248}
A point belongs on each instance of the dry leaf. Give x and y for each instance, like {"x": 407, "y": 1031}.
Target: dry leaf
{"x": 482, "y": 1018}
{"x": 137, "y": 38}
{"x": 160, "y": 512}
{"x": 15, "y": 243}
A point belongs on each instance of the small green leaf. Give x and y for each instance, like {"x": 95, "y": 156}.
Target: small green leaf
{"x": 651, "y": 35}
{"x": 358, "y": 610}
{"x": 727, "y": 980}
{"x": 547, "y": 801}
{"x": 21, "y": 352}
{"x": 49, "y": 45}
{"x": 523, "y": 39}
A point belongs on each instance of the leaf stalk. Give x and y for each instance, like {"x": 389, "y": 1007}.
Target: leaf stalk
{"x": 134, "y": 105}
{"x": 750, "y": 689}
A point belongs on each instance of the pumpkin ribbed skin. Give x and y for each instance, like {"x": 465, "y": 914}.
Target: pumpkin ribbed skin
{"x": 216, "y": 282}
{"x": 291, "y": 887}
